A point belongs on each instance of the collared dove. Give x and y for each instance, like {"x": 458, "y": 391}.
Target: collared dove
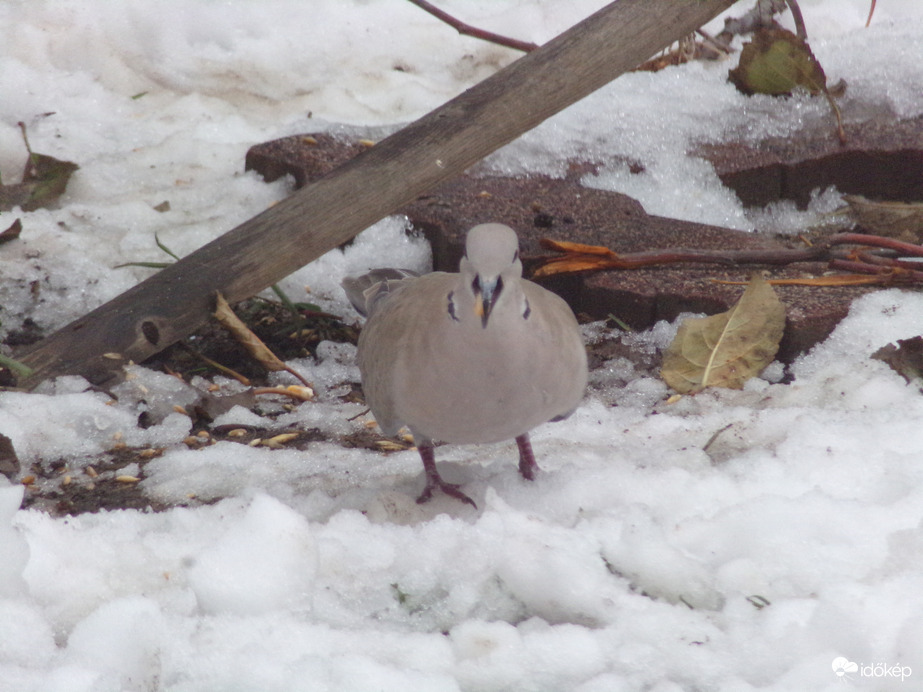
{"x": 480, "y": 356}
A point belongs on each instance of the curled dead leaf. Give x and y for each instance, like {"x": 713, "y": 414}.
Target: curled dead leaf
{"x": 901, "y": 220}
{"x": 906, "y": 358}
{"x": 775, "y": 62}
{"x": 577, "y": 258}
{"x": 250, "y": 341}
{"x": 12, "y": 232}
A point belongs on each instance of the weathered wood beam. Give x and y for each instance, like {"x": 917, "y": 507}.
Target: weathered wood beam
{"x": 174, "y": 302}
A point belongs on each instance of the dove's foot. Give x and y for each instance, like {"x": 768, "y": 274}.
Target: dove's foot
{"x": 527, "y": 465}
{"x": 434, "y": 480}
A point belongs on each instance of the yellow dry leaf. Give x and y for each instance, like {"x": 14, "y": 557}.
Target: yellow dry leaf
{"x": 250, "y": 341}
{"x": 727, "y": 349}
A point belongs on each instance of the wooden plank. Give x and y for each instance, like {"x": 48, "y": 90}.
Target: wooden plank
{"x": 174, "y": 302}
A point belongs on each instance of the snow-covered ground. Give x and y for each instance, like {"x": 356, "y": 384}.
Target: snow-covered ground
{"x": 637, "y": 561}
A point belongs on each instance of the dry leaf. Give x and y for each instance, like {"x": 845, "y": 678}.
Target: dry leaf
{"x": 906, "y": 358}
{"x": 728, "y": 349}
{"x": 9, "y": 460}
{"x": 250, "y": 341}
{"x": 12, "y": 232}
{"x": 901, "y": 220}
{"x": 577, "y": 258}
{"x": 775, "y": 62}
{"x": 246, "y": 338}
{"x": 43, "y": 181}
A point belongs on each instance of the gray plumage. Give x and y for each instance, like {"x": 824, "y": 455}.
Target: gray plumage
{"x": 475, "y": 357}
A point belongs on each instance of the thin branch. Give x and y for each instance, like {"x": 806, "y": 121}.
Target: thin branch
{"x": 799, "y": 19}
{"x": 871, "y": 12}
{"x": 876, "y": 241}
{"x": 853, "y": 252}
{"x": 468, "y": 30}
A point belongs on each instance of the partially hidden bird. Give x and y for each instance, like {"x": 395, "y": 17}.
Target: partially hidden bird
{"x": 480, "y": 356}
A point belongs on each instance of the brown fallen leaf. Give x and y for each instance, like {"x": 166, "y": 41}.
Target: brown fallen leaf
{"x": 9, "y": 460}
{"x": 901, "y": 220}
{"x": 250, "y": 341}
{"x": 43, "y": 181}
{"x": 775, "y": 62}
{"x": 727, "y": 349}
{"x": 906, "y": 358}
{"x": 12, "y": 232}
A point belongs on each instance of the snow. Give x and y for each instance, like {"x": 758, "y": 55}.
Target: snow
{"x": 736, "y": 540}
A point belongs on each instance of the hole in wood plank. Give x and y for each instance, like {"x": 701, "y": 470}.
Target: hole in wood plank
{"x": 150, "y": 332}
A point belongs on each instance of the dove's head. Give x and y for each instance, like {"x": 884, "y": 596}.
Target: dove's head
{"x": 491, "y": 267}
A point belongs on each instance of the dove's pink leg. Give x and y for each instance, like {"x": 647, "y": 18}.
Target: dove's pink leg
{"x": 527, "y": 465}
{"x": 434, "y": 480}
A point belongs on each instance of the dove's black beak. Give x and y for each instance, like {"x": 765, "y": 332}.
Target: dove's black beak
{"x": 486, "y": 294}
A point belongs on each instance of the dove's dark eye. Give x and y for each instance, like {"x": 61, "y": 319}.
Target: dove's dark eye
{"x": 452, "y": 306}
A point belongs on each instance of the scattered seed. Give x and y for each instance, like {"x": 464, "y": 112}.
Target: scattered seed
{"x": 150, "y": 453}
{"x": 127, "y": 479}
{"x": 28, "y": 480}
{"x": 237, "y": 432}
{"x": 91, "y": 472}
{"x": 367, "y": 142}
{"x": 389, "y": 446}
{"x": 300, "y": 392}
{"x": 66, "y": 480}
{"x": 180, "y": 409}
{"x": 113, "y": 356}
{"x": 673, "y": 399}
{"x": 283, "y": 438}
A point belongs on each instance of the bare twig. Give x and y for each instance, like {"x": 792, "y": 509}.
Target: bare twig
{"x": 871, "y": 12}
{"x": 715, "y": 43}
{"x": 799, "y": 19}
{"x": 876, "y": 241}
{"x": 468, "y": 30}
{"x": 853, "y": 252}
